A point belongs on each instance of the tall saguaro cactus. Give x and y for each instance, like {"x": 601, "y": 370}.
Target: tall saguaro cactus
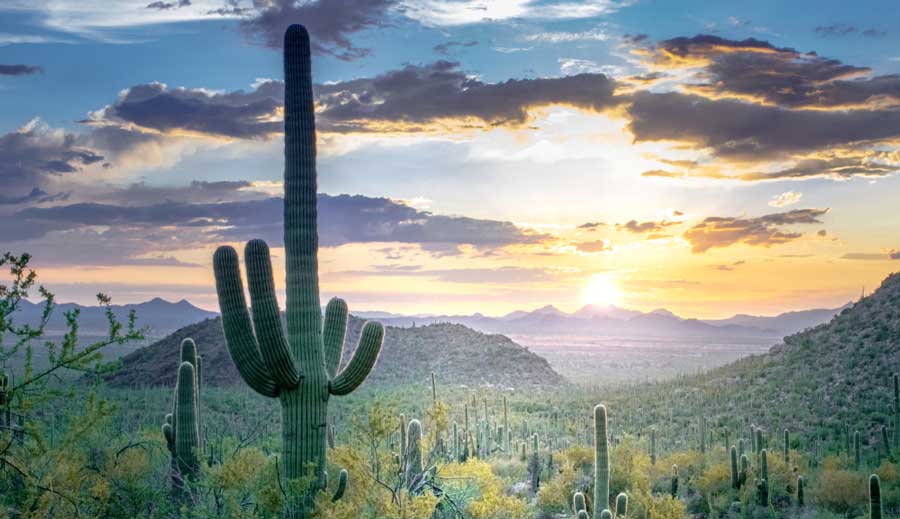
{"x": 299, "y": 367}
{"x": 601, "y": 461}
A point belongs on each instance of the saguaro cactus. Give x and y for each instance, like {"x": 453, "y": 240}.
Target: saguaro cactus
{"x": 787, "y": 447}
{"x": 300, "y": 367}
{"x": 578, "y": 504}
{"x": 874, "y": 497}
{"x": 896, "y": 410}
{"x": 800, "y": 497}
{"x": 653, "y": 446}
{"x": 674, "y": 489}
{"x": 735, "y": 477}
{"x": 601, "y": 461}
{"x": 413, "y": 455}
{"x": 622, "y": 505}
{"x": 181, "y": 428}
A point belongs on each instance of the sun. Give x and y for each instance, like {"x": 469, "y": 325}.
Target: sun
{"x": 601, "y": 291}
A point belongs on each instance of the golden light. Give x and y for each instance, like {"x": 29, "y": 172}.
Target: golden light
{"x": 602, "y": 291}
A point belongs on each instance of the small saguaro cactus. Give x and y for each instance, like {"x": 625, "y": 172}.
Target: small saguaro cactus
{"x": 786, "y": 447}
{"x": 857, "y": 449}
{"x": 735, "y": 477}
{"x": 874, "y": 497}
{"x": 762, "y": 492}
{"x": 653, "y": 446}
{"x": 413, "y": 455}
{"x": 764, "y": 464}
{"x": 622, "y": 505}
{"x": 181, "y": 429}
{"x": 605, "y": 514}
{"x": 896, "y": 410}
{"x": 745, "y": 469}
{"x": 299, "y": 367}
{"x": 674, "y": 481}
{"x": 601, "y": 461}
{"x": 800, "y": 497}
{"x": 578, "y": 503}
{"x": 703, "y": 435}
{"x": 342, "y": 486}
{"x": 582, "y": 514}
{"x": 534, "y": 465}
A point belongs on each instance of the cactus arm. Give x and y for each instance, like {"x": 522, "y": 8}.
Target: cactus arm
{"x": 273, "y": 345}
{"x": 301, "y": 241}
{"x": 239, "y": 336}
{"x": 342, "y": 486}
{"x": 169, "y": 436}
{"x": 363, "y": 359}
{"x": 333, "y": 333}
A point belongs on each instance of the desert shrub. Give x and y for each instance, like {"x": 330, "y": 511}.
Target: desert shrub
{"x": 840, "y": 490}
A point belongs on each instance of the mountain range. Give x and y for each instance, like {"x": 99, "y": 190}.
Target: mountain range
{"x": 159, "y": 316}
{"x": 615, "y": 321}
{"x": 163, "y": 317}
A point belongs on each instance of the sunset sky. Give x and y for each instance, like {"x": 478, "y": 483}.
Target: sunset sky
{"x": 484, "y": 156}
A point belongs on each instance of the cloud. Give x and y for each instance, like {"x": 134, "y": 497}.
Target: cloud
{"x": 330, "y": 23}
{"x": 872, "y": 256}
{"x": 756, "y": 70}
{"x": 160, "y": 5}
{"x": 592, "y": 246}
{"x": 464, "y": 12}
{"x": 446, "y": 47}
{"x": 34, "y": 156}
{"x": 596, "y": 34}
{"x": 417, "y": 96}
{"x": 591, "y": 226}
{"x": 182, "y": 223}
{"x": 740, "y": 130}
{"x": 764, "y": 231}
{"x": 633, "y": 226}
{"x": 481, "y": 276}
{"x": 19, "y": 70}
{"x": 785, "y": 199}
{"x": 238, "y": 114}
{"x": 839, "y": 30}
{"x": 728, "y": 267}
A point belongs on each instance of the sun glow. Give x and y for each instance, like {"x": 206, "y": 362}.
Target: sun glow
{"x": 602, "y": 291}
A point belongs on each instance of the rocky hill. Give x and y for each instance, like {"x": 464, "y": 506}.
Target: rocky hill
{"x": 459, "y": 355}
{"x": 817, "y": 382}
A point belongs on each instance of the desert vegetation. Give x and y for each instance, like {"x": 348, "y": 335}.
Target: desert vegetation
{"x": 810, "y": 430}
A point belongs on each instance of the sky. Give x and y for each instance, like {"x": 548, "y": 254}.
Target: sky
{"x": 710, "y": 158}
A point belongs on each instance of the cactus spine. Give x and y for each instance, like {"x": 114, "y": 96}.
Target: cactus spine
{"x": 300, "y": 368}
{"x": 601, "y": 461}
{"x": 874, "y": 497}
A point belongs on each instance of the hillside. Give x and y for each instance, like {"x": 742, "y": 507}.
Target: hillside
{"x": 462, "y": 357}
{"x": 817, "y": 383}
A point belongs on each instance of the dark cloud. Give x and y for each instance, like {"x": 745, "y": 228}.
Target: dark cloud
{"x": 872, "y": 256}
{"x": 757, "y": 70}
{"x": 749, "y": 131}
{"x": 159, "y": 5}
{"x": 330, "y": 23}
{"x": 19, "y": 70}
{"x": 592, "y": 246}
{"x": 447, "y": 47}
{"x": 498, "y": 275}
{"x": 765, "y": 231}
{"x": 343, "y": 219}
{"x": 412, "y": 97}
{"x": 409, "y": 99}
{"x": 591, "y": 226}
{"x": 231, "y": 8}
{"x": 35, "y": 155}
{"x": 239, "y": 114}
{"x": 636, "y": 227}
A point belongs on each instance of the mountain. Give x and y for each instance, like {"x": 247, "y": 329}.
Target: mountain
{"x": 160, "y": 316}
{"x": 786, "y": 323}
{"x": 459, "y": 355}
